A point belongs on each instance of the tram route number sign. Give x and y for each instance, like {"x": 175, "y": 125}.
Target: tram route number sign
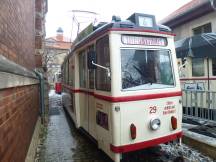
{"x": 152, "y": 109}
{"x": 168, "y": 109}
{"x": 144, "y": 40}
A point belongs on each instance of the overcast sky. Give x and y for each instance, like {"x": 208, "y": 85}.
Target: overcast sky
{"x": 60, "y": 15}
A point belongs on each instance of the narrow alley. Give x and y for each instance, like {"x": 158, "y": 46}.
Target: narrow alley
{"x": 63, "y": 143}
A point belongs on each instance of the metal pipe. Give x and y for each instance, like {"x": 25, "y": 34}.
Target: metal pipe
{"x": 208, "y": 89}
{"x": 42, "y": 96}
{"x": 208, "y": 74}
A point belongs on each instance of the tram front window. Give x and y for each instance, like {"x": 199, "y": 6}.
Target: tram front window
{"x": 146, "y": 69}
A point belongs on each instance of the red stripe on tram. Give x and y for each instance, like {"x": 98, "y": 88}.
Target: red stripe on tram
{"x": 138, "y": 97}
{"x": 127, "y": 98}
{"x": 145, "y": 144}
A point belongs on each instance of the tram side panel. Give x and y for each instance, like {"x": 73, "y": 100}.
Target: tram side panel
{"x": 71, "y": 76}
{"x": 92, "y": 116}
{"x": 104, "y": 125}
{"x": 83, "y": 106}
{"x": 77, "y": 96}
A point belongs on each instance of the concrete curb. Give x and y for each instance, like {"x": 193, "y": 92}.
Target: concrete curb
{"x": 201, "y": 143}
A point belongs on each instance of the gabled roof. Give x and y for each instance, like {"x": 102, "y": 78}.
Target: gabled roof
{"x": 55, "y": 42}
{"x": 188, "y": 12}
{"x": 56, "y": 38}
{"x": 62, "y": 46}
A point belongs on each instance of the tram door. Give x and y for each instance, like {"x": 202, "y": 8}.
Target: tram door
{"x": 91, "y": 100}
{"x": 91, "y": 105}
{"x": 83, "y": 97}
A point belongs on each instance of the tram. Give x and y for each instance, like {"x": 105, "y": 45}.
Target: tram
{"x": 122, "y": 78}
{"x": 57, "y": 82}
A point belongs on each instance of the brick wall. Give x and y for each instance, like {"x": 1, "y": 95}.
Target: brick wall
{"x": 19, "y": 108}
{"x": 17, "y": 31}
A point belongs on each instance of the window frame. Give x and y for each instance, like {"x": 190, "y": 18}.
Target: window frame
{"x": 192, "y": 65}
{"x": 156, "y": 49}
{"x": 202, "y": 29}
{"x": 91, "y": 71}
{"x": 83, "y": 52}
{"x": 97, "y": 86}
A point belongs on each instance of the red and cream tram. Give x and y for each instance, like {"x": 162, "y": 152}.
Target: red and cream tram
{"x": 57, "y": 82}
{"x": 123, "y": 82}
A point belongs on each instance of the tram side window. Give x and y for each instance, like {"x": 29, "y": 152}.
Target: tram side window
{"x": 103, "y": 82}
{"x": 71, "y": 72}
{"x": 66, "y": 72}
{"x": 197, "y": 67}
{"x": 82, "y": 69}
{"x": 91, "y": 72}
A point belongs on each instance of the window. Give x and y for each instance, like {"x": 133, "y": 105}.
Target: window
{"x": 214, "y": 66}
{"x": 197, "y": 66}
{"x": 82, "y": 69}
{"x": 66, "y": 72}
{"x": 203, "y": 29}
{"x": 146, "y": 69}
{"x": 71, "y": 72}
{"x": 103, "y": 58}
{"x": 91, "y": 72}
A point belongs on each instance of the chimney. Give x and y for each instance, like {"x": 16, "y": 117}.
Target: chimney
{"x": 59, "y": 34}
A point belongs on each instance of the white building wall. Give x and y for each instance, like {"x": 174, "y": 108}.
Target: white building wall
{"x": 186, "y": 30}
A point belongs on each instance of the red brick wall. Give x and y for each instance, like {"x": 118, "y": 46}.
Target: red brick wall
{"x": 17, "y": 31}
{"x": 19, "y": 108}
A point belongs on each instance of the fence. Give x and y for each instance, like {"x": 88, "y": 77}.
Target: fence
{"x": 199, "y": 104}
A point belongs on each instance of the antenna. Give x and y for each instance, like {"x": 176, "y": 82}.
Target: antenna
{"x": 80, "y": 17}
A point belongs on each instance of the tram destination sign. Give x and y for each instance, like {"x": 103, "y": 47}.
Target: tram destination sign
{"x": 143, "y": 40}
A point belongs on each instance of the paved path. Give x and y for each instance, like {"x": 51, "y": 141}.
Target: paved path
{"x": 64, "y": 143}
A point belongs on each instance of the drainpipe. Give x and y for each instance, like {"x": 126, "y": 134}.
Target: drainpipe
{"x": 42, "y": 96}
{"x": 208, "y": 73}
{"x": 209, "y": 104}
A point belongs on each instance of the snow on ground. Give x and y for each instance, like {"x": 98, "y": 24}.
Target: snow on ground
{"x": 189, "y": 154}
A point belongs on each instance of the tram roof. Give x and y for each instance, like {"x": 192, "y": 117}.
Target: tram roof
{"x": 131, "y": 24}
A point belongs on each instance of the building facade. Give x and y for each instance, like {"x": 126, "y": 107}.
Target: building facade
{"x": 192, "y": 21}
{"x": 19, "y": 86}
{"x": 57, "y": 48}
{"x": 41, "y": 8}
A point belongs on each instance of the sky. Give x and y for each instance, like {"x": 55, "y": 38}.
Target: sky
{"x": 60, "y": 12}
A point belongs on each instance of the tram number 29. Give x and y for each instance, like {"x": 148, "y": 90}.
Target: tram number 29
{"x": 152, "y": 109}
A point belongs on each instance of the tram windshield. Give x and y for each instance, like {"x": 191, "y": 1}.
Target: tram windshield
{"x": 146, "y": 69}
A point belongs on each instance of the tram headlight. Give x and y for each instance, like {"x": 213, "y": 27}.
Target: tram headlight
{"x": 155, "y": 123}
